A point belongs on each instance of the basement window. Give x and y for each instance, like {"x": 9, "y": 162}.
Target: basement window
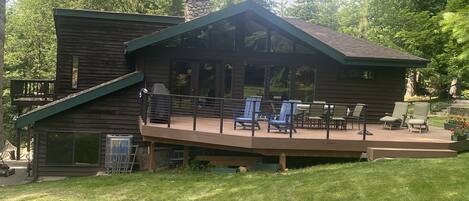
{"x": 72, "y": 148}
{"x": 75, "y": 63}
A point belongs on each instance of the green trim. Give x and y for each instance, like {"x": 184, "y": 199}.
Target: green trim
{"x": 145, "y": 41}
{"x": 117, "y": 16}
{"x": 386, "y": 62}
{"x": 78, "y": 98}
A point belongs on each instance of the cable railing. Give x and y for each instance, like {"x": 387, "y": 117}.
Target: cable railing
{"x": 192, "y": 112}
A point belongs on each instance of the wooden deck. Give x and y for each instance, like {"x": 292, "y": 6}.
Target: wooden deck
{"x": 306, "y": 142}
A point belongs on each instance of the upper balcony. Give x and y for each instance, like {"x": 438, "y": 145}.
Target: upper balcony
{"x": 31, "y": 92}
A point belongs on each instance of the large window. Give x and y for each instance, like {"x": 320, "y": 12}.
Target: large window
{"x": 72, "y": 148}
{"x": 279, "y": 76}
{"x": 256, "y": 37}
{"x": 304, "y": 83}
{"x": 254, "y": 80}
{"x": 228, "y": 68}
{"x": 280, "y": 44}
{"x": 75, "y": 63}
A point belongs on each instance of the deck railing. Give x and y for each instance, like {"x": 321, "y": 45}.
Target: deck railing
{"x": 163, "y": 108}
{"x": 33, "y": 90}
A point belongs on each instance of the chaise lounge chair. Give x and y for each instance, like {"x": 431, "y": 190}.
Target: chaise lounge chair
{"x": 246, "y": 119}
{"x": 419, "y": 117}
{"x": 283, "y": 121}
{"x": 398, "y": 116}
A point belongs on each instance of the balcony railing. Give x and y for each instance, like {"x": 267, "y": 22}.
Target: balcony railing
{"x": 32, "y": 91}
{"x": 192, "y": 112}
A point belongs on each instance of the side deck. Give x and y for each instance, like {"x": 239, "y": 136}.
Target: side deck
{"x": 305, "y": 142}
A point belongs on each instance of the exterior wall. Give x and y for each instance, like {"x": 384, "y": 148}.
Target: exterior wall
{"x": 99, "y": 44}
{"x": 116, "y": 113}
{"x": 380, "y": 93}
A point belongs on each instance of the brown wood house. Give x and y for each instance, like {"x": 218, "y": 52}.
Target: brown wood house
{"x": 104, "y": 58}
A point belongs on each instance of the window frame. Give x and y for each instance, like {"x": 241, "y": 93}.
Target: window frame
{"x": 73, "y": 164}
{"x": 75, "y": 72}
{"x": 342, "y": 74}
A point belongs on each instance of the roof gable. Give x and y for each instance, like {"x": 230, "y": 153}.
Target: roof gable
{"x": 78, "y": 98}
{"x": 347, "y": 50}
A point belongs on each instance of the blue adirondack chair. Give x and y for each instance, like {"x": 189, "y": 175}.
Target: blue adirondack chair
{"x": 246, "y": 120}
{"x": 282, "y": 121}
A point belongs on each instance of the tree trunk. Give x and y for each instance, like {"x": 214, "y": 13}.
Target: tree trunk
{"x": 410, "y": 87}
{"x": 2, "y": 42}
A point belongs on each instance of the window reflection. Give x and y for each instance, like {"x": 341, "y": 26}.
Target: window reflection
{"x": 254, "y": 80}
{"x": 279, "y": 82}
{"x": 228, "y": 76}
{"x": 304, "y": 83}
{"x": 256, "y": 37}
{"x": 280, "y": 44}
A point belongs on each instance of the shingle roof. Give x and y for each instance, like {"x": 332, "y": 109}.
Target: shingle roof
{"x": 117, "y": 16}
{"x": 350, "y": 46}
{"x": 78, "y": 98}
{"x": 344, "y": 49}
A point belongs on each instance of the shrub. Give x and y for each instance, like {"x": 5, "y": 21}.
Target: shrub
{"x": 465, "y": 94}
{"x": 438, "y": 106}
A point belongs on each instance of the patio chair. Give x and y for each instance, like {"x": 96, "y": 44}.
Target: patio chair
{"x": 246, "y": 119}
{"x": 282, "y": 121}
{"x": 419, "y": 117}
{"x": 340, "y": 112}
{"x": 315, "y": 116}
{"x": 398, "y": 116}
{"x": 356, "y": 114}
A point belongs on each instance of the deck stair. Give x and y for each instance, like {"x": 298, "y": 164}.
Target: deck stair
{"x": 379, "y": 152}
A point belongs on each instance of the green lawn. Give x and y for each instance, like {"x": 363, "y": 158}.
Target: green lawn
{"x": 430, "y": 179}
{"x": 437, "y": 121}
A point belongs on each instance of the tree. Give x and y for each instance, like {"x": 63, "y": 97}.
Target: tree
{"x": 220, "y": 4}
{"x": 323, "y": 12}
{"x": 455, "y": 22}
{"x": 30, "y": 45}
{"x": 2, "y": 39}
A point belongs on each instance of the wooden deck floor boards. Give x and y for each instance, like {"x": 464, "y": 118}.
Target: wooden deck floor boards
{"x": 306, "y": 142}
{"x": 212, "y": 125}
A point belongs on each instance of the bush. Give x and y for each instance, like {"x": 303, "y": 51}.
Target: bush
{"x": 465, "y": 94}
{"x": 438, "y": 106}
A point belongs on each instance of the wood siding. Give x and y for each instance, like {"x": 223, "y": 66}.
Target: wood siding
{"x": 116, "y": 113}
{"x": 99, "y": 44}
{"x": 387, "y": 87}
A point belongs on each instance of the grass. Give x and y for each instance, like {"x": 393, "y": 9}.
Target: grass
{"x": 405, "y": 179}
{"x": 437, "y": 121}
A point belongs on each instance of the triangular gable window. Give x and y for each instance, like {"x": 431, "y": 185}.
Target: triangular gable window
{"x": 255, "y": 36}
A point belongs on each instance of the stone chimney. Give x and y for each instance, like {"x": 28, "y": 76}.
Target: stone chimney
{"x": 196, "y": 8}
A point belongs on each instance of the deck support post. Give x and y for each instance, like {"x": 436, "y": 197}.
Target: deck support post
{"x": 18, "y": 144}
{"x": 282, "y": 162}
{"x": 185, "y": 159}
{"x": 151, "y": 157}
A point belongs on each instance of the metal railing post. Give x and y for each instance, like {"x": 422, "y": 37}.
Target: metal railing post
{"x": 365, "y": 132}
{"x": 222, "y": 105}
{"x": 145, "y": 105}
{"x": 194, "y": 123}
{"x": 253, "y": 117}
{"x": 170, "y": 104}
{"x": 291, "y": 118}
{"x": 328, "y": 118}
